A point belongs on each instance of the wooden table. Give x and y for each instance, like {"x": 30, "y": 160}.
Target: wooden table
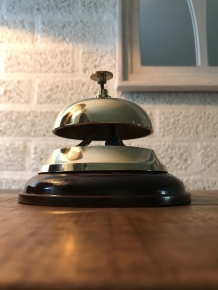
{"x": 138, "y": 248}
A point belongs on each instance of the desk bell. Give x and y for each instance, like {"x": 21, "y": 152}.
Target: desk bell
{"x": 113, "y": 175}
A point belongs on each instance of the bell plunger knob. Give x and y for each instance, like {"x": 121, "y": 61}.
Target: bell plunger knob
{"x": 102, "y": 77}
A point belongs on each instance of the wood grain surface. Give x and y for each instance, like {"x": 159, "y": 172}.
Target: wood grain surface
{"x": 137, "y": 248}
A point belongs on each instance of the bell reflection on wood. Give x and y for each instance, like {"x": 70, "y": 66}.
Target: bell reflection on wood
{"x": 113, "y": 175}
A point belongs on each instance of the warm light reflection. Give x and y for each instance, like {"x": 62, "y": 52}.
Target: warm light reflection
{"x": 73, "y": 153}
{"x": 69, "y": 246}
{"x": 77, "y": 110}
{"x": 60, "y": 212}
{"x": 70, "y": 154}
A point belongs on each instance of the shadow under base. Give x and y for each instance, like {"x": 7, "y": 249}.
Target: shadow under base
{"x": 105, "y": 189}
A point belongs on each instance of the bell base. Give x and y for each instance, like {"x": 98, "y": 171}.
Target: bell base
{"x": 105, "y": 189}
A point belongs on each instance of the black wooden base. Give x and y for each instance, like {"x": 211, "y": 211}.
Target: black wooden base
{"x": 105, "y": 189}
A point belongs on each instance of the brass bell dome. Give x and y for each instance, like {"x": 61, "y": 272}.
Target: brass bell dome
{"x": 95, "y": 114}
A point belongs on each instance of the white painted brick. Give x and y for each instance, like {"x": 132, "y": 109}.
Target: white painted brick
{"x": 41, "y": 151}
{"x": 20, "y": 6}
{"x": 39, "y": 155}
{"x": 100, "y": 9}
{"x": 200, "y": 183}
{"x": 56, "y": 7}
{"x": 66, "y": 7}
{"x": 16, "y": 29}
{"x": 27, "y": 124}
{"x": 13, "y": 92}
{"x": 39, "y": 60}
{"x": 172, "y": 98}
{"x": 101, "y": 36}
{"x": 209, "y": 156}
{"x": 65, "y": 92}
{"x": 12, "y": 183}
{"x": 97, "y": 59}
{"x": 186, "y": 123}
{"x": 77, "y": 30}
{"x": 63, "y": 31}
{"x": 13, "y": 156}
{"x": 40, "y": 6}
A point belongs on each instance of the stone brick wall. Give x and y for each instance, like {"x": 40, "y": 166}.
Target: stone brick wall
{"x": 48, "y": 48}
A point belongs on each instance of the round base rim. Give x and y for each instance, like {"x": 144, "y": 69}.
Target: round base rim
{"x": 106, "y": 202}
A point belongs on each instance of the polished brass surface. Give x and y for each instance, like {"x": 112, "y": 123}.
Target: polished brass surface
{"x": 80, "y": 119}
{"x": 103, "y": 93}
{"x": 101, "y": 76}
{"x": 94, "y": 158}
